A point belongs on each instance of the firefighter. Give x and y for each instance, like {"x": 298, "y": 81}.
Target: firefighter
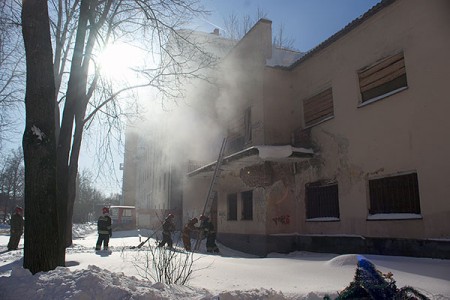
{"x": 16, "y": 230}
{"x": 188, "y": 228}
{"x": 168, "y": 227}
{"x": 104, "y": 229}
{"x": 210, "y": 233}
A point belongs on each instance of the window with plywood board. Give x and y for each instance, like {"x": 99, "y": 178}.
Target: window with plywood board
{"x": 383, "y": 78}
{"x": 318, "y": 108}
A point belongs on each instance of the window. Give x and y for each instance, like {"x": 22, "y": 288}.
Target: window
{"x": 235, "y": 143}
{"x": 248, "y": 125}
{"x": 383, "y": 78}
{"x": 322, "y": 200}
{"x": 232, "y": 207}
{"x": 395, "y": 194}
{"x": 318, "y": 108}
{"x": 247, "y": 205}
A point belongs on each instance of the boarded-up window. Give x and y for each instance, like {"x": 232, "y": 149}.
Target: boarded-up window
{"x": 396, "y": 194}
{"x": 383, "y": 77}
{"x": 318, "y": 107}
{"x": 232, "y": 207}
{"x": 322, "y": 200}
{"x": 247, "y": 205}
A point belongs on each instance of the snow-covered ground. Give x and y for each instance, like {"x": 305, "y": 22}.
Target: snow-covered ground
{"x": 230, "y": 275}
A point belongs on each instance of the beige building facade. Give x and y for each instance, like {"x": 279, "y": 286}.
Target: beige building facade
{"x": 343, "y": 150}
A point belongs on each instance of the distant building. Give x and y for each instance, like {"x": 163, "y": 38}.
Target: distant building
{"x": 342, "y": 149}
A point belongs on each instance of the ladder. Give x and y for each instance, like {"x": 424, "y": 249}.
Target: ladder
{"x": 211, "y": 192}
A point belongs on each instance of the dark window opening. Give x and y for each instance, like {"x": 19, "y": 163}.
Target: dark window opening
{"x": 396, "y": 194}
{"x": 322, "y": 200}
{"x": 232, "y": 207}
{"x": 247, "y": 205}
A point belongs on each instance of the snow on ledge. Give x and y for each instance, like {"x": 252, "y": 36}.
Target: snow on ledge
{"x": 266, "y": 152}
{"x": 394, "y": 217}
{"x": 323, "y": 219}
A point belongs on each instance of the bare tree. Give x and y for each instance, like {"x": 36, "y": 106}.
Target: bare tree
{"x": 82, "y": 29}
{"x": 12, "y": 180}
{"x": 12, "y": 74}
{"x": 280, "y": 40}
{"x": 87, "y": 198}
{"x": 236, "y": 28}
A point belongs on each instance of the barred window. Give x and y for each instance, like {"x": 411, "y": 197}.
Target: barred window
{"x": 322, "y": 200}
{"x": 395, "y": 194}
{"x": 382, "y": 78}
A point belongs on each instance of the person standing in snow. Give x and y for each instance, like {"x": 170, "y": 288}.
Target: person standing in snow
{"x": 168, "y": 227}
{"x": 16, "y": 230}
{"x": 188, "y": 228}
{"x": 208, "y": 231}
{"x": 104, "y": 230}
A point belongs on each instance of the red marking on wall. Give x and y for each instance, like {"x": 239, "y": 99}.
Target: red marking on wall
{"x": 284, "y": 219}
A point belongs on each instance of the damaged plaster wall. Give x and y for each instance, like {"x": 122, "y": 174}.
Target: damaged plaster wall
{"x": 275, "y": 186}
{"x": 332, "y": 162}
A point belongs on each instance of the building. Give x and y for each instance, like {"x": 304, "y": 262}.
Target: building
{"x": 369, "y": 102}
{"x": 341, "y": 150}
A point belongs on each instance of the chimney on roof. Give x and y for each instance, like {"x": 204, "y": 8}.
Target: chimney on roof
{"x": 216, "y": 31}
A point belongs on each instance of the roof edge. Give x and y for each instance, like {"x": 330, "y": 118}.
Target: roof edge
{"x": 348, "y": 28}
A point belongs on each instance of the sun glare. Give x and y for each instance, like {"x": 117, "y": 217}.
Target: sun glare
{"x": 118, "y": 60}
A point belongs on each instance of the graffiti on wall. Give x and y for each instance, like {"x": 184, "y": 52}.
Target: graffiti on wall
{"x": 283, "y": 219}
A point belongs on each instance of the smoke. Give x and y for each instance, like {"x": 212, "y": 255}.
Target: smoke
{"x": 192, "y": 128}
{"x": 188, "y": 130}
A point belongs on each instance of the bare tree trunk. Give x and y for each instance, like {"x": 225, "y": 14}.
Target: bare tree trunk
{"x": 75, "y": 94}
{"x": 39, "y": 147}
{"x": 73, "y": 172}
{"x": 75, "y": 109}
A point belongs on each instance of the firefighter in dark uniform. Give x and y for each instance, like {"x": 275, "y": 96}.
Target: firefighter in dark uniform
{"x": 188, "y": 228}
{"x": 16, "y": 230}
{"x": 168, "y": 228}
{"x": 210, "y": 233}
{"x": 104, "y": 230}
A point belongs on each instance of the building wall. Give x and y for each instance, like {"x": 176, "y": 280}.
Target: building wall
{"x": 243, "y": 80}
{"x": 129, "y": 168}
{"x": 253, "y": 85}
{"x": 401, "y": 133}
{"x": 231, "y": 183}
{"x": 195, "y": 191}
{"x": 278, "y": 105}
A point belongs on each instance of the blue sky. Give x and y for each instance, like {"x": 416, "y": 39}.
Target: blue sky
{"x": 307, "y": 22}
